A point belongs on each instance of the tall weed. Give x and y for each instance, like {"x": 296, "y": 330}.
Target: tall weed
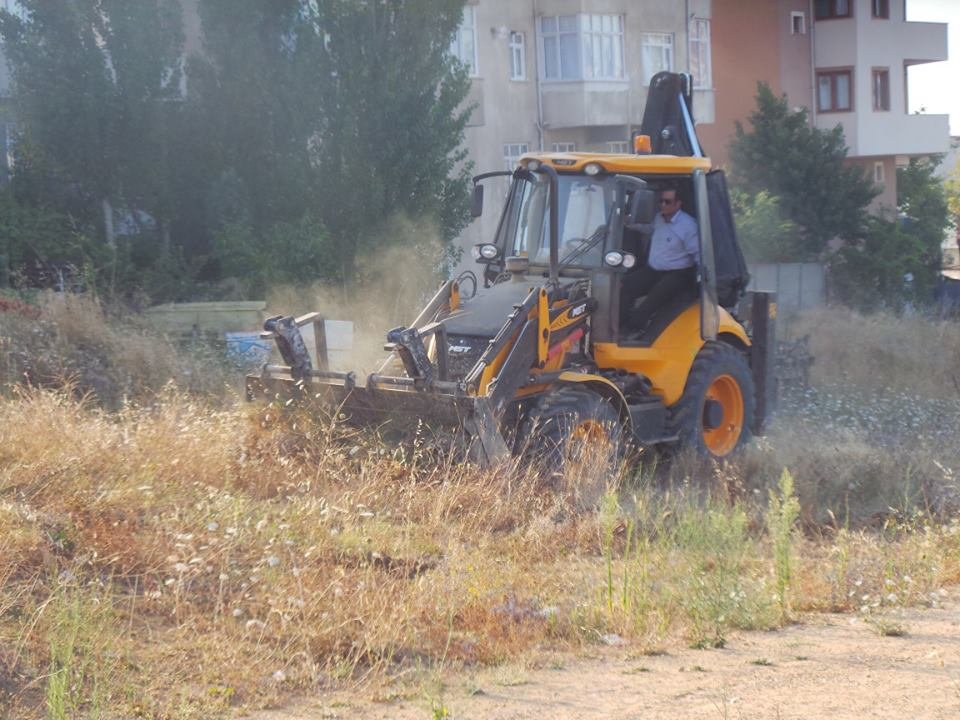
{"x": 783, "y": 509}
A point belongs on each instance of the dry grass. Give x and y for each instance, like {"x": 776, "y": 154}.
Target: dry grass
{"x": 881, "y": 352}
{"x": 74, "y": 340}
{"x": 178, "y": 559}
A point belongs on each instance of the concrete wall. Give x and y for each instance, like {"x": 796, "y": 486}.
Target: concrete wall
{"x": 799, "y": 286}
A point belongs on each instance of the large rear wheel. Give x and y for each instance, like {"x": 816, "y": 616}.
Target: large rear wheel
{"x": 574, "y": 436}
{"x": 715, "y": 413}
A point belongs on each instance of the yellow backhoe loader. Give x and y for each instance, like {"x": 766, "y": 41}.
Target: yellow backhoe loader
{"x": 539, "y": 358}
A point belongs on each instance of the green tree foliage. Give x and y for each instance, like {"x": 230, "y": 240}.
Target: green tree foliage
{"x": 764, "y": 234}
{"x": 288, "y": 253}
{"x": 897, "y": 262}
{"x": 393, "y": 145}
{"x": 952, "y": 191}
{"x": 922, "y": 199}
{"x": 804, "y": 167}
{"x": 31, "y": 234}
{"x": 96, "y": 83}
{"x": 254, "y": 103}
{"x": 357, "y": 115}
{"x": 278, "y": 153}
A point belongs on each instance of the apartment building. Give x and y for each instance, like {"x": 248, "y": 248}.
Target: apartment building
{"x": 846, "y": 61}
{"x": 862, "y": 52}
{"x": 572, "y": 75}
{"x": 776, "y": 51}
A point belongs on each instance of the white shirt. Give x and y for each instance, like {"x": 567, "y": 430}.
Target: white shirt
{"x": 675, "y": 244}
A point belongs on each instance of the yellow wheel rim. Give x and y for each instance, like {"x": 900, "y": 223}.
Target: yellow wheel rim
{"x": 589, "y": 445}
{"x": 589, "y": 432}
{"x": 588, "y": 470}
{"x": 722, "y": 440}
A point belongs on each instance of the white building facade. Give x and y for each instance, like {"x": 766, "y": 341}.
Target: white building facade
{"x": 862, "y": 53}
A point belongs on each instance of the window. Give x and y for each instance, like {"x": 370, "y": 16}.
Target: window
{"x": 582, "y": 47}
{"x": 833, "y": 91}
{"x": 700, "y": 53}
{"x": 829, "y": 9}
{"x": 512, "y": 152}
{"x": 464, "y": 44}
{"x": 798, "y": 23}
{"x": 881, "y": 89}
{"x": 881, "y": 9}
{"x": 564, "y": 147}
{"x": 879, "y": 176}
{"x": 617, "y": 146}
{"x": 656, "y": 54}
{"x": 518, "y": 56}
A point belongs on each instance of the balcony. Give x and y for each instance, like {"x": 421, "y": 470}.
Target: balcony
{"x": 904, "y": 135}
{"x": 922, "y": 42}
{"x": 585, "y": 103}
{"x": 866, "y": 42}
{"x": 870, "y": 134}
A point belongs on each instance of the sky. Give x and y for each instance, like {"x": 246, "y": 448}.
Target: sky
{"x": 935, "y": 87}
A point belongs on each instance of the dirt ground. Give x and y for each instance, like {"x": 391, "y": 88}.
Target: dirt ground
{"x": 828, "y": 666}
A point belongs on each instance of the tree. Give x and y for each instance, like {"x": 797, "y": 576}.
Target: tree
{"x": 96, "y": 83}
{"x": 283, "y": 151}
{"x": 952, "y": 191}
{"x": 897, "y": 262}
{"x": 393, "y": 141}
{"x": 763, "y": 233}
{"x": 922, "y": 199}
{"x": 804, "y": 167}
{"x": 331, "y": 115}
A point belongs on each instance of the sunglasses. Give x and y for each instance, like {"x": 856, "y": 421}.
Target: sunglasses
{"x": 667, "y": 201}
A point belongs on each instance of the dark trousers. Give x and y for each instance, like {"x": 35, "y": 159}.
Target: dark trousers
{"x": 658, "y": 286}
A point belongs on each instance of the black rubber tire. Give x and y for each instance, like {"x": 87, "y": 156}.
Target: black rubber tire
{"x": 546, "y": 439}
{"x": 714, "y": 360}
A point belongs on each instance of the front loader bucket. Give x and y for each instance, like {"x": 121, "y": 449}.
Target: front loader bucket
{"x": 424, "y": 394}
{"x": 387, "y": 404}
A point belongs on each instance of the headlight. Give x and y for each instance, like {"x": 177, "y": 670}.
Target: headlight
{"x": 629, "y": 260}
{"x": 613, "y": 258}
{"x": 489, "y": 252}
{"x": 533, "y": 165}
{"x": 593, "y": 169}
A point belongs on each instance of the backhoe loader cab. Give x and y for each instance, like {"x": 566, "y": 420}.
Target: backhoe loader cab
{"x": 538, "y": 361}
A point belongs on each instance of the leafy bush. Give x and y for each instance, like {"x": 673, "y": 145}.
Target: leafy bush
{"x": 33, "y": 236}
{"x": 289, "y": 253}
{"x": 887, "y": 269}
{"x": 764, "y": 234}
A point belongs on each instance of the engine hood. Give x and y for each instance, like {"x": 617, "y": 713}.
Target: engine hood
{"x": 485, "y": 313}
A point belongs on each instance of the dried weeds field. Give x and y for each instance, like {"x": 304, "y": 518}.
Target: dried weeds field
{"x": 167, "y": 552}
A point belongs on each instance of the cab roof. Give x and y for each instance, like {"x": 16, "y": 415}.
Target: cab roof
{"x": 574, "y": 162}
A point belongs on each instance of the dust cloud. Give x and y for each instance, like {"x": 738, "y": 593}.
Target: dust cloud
{"x": 391, "y": 287}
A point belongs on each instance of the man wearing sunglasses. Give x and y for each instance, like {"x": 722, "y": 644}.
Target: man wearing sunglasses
{"x": 671, "y": 266}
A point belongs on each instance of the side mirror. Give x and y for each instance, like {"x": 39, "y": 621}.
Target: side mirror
{"x": 476, "y": 202}
{"x": 643, "y": 206}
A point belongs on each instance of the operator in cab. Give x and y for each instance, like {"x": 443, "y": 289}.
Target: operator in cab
{"x": 671, "y": 266}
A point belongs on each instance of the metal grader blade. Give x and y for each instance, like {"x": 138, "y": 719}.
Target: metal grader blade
{"x": 385, "y": 401}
